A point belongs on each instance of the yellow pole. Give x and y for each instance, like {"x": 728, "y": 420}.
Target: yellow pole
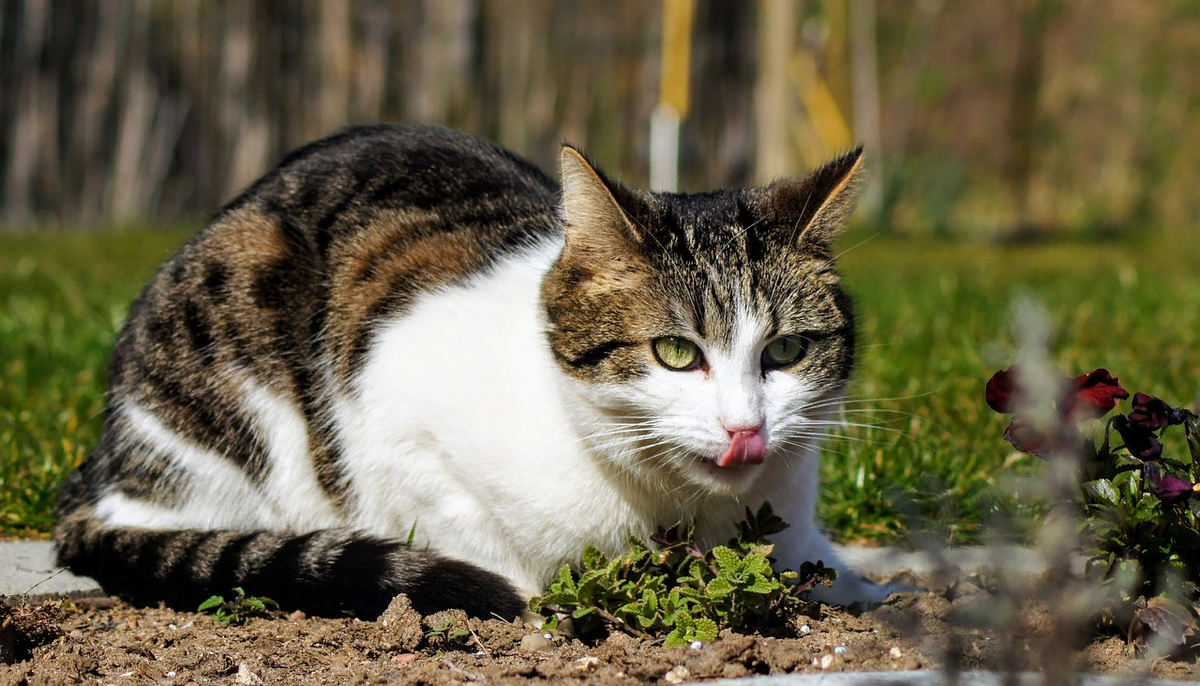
{"x": 673, "y": 94}
{"x": 676, "y": 54}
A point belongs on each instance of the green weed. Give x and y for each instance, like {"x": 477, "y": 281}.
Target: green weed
{"x": 238, "y": 609}
{"x": 678, "y": 591}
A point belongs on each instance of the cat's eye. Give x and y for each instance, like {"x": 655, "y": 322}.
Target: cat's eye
{"x": 677, "y": 353}
{"x": 784, "y": 351}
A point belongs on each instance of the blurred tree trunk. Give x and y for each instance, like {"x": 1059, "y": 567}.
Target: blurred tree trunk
{"x": 443, "y": 61}
{"x": 773, "y": 96}
{"x": 868, "y": 126}
{"x": 1023, "y": 107}
{"x": 30, "y": 95}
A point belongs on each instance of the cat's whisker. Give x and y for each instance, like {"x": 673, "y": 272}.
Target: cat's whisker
{"x": 860, "y": 425}
{"x": 868, "y": 239}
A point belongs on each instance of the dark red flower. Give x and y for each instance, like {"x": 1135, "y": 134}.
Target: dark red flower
{"x": 1062, "y": 439}
{"x": 1149, "y": 413}
{"x": 1001, "y": 390}
{"x": 1024, "y": 436}
{"x": 1168, "y": 488}
{"x": 1092, "y": 395}
{"x": 1140, "y": 442}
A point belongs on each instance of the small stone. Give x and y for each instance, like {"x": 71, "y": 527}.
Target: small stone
{"x": 400, "y": 626}
{"x": 804, "y": 629}
{"x": 297, "y": 616}
{"x": 132, "y": 622}
{"x": 405, "y": 659}
{"x": 896, "y": 653}
{"x": 587, "y": 663}
{"x": 838, "y": 650}
{"x": 566, "y": 627}
{"x": 826, "y": 661}
{"x": 246, "y": 677}
{"x": 677, "y": 675}
{"x": 535, "y": 642}
{"x": 695, "y": 646}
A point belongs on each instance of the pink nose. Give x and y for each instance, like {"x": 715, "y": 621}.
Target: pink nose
{"x": 746, "y": 447}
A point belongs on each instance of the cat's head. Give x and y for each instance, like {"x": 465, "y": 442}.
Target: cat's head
{"x": 706, "y": 333}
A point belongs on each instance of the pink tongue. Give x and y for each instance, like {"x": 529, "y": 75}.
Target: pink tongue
{"x": 747, "y": 448}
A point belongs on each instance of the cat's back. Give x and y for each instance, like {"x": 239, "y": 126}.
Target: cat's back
{"x": 274, "y": 303}
{"x": 342, "y": 233}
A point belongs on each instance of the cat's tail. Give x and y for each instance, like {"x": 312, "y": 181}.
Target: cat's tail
{"x": 330, "y": 572}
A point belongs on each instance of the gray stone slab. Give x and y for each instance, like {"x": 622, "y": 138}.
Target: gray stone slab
{"x": 886, "y": 562}
{"x": 932, "y": 678}
{"x": 27, "y": 569}
{"x": 28, "y": 566}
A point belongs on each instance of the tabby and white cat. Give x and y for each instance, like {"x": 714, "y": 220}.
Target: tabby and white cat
{"x": 409, "y": 327}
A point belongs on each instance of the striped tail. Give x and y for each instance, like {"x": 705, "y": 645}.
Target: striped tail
{"x": 330, "y": 572}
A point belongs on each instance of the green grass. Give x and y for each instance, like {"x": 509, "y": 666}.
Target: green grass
{"x": 62, "y": 299}
{"x": 934, "y": 324}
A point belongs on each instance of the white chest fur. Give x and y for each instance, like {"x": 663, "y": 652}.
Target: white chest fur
{"x": 460, "y": 427}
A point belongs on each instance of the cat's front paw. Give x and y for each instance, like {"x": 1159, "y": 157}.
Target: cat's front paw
{"x": 855, "y": 592}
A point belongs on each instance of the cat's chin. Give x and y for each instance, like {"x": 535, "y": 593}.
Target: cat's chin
{"x": 730, "y": 479}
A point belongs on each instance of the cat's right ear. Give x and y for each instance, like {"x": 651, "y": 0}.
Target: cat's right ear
{"x": 596, "y": 227}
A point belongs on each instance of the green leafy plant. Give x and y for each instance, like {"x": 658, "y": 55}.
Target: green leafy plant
{"x": 1141, "y": 506}
{"x": 238, "y": 609}
{"x": 447, "y": 633}
{"x": 679, "y": 592}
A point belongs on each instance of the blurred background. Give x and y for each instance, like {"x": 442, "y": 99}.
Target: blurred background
{"x": 1022, "y": 151}
{"x": 1015, "y": 120}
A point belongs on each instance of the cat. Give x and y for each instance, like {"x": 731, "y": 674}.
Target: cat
{"x": 407, "y": 361}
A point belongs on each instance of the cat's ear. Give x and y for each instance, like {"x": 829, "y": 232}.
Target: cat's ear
{"x": 596, "y": 226}
{"x": 818, "y": 206}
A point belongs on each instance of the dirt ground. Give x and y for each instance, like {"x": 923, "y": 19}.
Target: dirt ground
{"x": 104, "y": 641}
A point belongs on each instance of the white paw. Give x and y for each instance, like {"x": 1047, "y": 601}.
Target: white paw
{"x": 854, "y": 592}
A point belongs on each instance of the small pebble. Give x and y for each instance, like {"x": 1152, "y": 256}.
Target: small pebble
{"x": 804, "y": 629}
{"x": 826, "y": 661}
{"x": 246, "y": 677}
{"x": 405, "y": 659}
{"x": 536, "y": 642}
{"x": 838, "y": 650}
{"x": 677, "y": 675}
{"x": 587, "y": 663}
{"x": 695, "y": 646}
{"x": 896, "y": 653}
{"x": 299, "y": 614}
{"x": 170, "y": 675}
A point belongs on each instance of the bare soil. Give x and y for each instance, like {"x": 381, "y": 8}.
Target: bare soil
{"x": 104, "y": 641}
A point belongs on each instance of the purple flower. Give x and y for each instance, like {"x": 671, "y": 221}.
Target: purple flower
{"x": 1140, "y": 442}
{"x": 1152, "y": 414}
{"x": 1168, "y": 488}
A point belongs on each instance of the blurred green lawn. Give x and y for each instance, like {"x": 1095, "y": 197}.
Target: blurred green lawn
{"x": 934, "y": 324}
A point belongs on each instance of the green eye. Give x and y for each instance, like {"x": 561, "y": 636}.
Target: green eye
{"x": 676, "y": 353}
{"x": 783, "y": 351}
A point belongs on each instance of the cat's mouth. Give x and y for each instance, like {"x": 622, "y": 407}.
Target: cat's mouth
{"x": 746, "y": 451}
{"x": 745, "y": 448}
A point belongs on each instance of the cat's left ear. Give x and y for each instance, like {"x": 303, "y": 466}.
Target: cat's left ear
{"x": 818, "y": 206}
